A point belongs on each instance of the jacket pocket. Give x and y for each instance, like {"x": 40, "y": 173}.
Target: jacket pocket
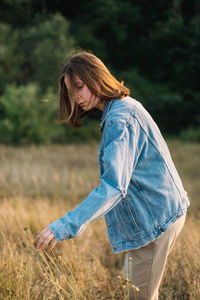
{"x": 122, "y": 222}
{"x": 131, "y": 217}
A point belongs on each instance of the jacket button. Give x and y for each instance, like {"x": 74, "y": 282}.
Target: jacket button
{"x": 108, "y": 225}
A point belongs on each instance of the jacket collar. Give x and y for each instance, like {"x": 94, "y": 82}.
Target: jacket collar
{"x": 105, "y": 112}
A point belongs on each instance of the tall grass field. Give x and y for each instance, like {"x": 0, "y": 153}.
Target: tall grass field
{"x": 39, "y": 185}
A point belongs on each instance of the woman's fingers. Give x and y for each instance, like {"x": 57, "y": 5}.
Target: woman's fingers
{"x": 46, "y": 241}
{"x": 43, "y": 241}
{"x": 44, "y": 231}
{"x": 52, "y": 245}
{"x": 44, "y": 238}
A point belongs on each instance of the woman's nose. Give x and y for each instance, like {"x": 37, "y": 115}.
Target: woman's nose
{"x": 77, "y": 97}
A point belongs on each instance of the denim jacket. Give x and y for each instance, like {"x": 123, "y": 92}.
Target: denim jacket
{"x": 140, "y": 194}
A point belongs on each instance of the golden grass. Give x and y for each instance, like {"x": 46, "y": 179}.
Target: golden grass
{"x": 77, "y": 269}
{"x": 39, "y": 185}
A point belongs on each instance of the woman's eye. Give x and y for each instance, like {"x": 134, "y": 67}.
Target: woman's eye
{"x": 80, "y": 86}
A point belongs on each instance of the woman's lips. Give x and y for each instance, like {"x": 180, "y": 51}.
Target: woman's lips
{"x": 82, "y": 104}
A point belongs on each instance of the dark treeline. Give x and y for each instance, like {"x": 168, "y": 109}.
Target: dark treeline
{"x": 153, "y": 46}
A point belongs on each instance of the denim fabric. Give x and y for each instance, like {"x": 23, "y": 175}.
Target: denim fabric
{"x": 141, "y": 194}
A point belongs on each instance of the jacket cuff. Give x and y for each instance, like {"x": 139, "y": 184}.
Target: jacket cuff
{"x": 58, "y": 230}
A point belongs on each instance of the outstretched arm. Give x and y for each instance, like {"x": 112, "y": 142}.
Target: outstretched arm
{"x": 118, "y": 162}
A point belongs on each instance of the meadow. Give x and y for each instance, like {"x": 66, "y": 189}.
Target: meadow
{"x": 39, "y": 185}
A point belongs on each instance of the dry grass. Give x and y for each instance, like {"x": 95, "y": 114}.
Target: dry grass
{"x": 37, "y": 186}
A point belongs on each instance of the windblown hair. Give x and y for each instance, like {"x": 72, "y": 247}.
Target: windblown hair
{"x": 97, "y": 78}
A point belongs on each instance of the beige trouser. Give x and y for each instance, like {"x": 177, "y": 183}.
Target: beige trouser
{"x": 144, "y": 267}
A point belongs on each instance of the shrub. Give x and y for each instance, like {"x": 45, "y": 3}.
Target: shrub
{"x": 24, "y": 118}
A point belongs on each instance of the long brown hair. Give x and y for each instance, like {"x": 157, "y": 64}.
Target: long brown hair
{"x": 92, "y": 71}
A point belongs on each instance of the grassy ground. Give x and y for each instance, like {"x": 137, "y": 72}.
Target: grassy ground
{"x": 37, "y": 186}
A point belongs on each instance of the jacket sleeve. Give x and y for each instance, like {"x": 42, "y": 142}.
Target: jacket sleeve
{"x": 116, "y": 168}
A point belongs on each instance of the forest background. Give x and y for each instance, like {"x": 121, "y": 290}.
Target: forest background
{"x": 153, "y": 47}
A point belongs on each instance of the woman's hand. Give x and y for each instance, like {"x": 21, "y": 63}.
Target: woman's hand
{"x": 46, "y": 236}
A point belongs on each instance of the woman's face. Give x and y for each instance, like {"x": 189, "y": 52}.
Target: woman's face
{"x": 83, "y": 95}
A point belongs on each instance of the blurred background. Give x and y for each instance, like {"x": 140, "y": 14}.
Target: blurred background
{"x": 153, "y": 46}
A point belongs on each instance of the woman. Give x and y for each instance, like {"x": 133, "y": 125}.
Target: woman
{"x": 140, "y": 194}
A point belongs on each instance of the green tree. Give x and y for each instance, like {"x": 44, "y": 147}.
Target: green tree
{"x": 11, "y": 58}
{"x": 45, "y": 45}
{"x": 34, "y": 53}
